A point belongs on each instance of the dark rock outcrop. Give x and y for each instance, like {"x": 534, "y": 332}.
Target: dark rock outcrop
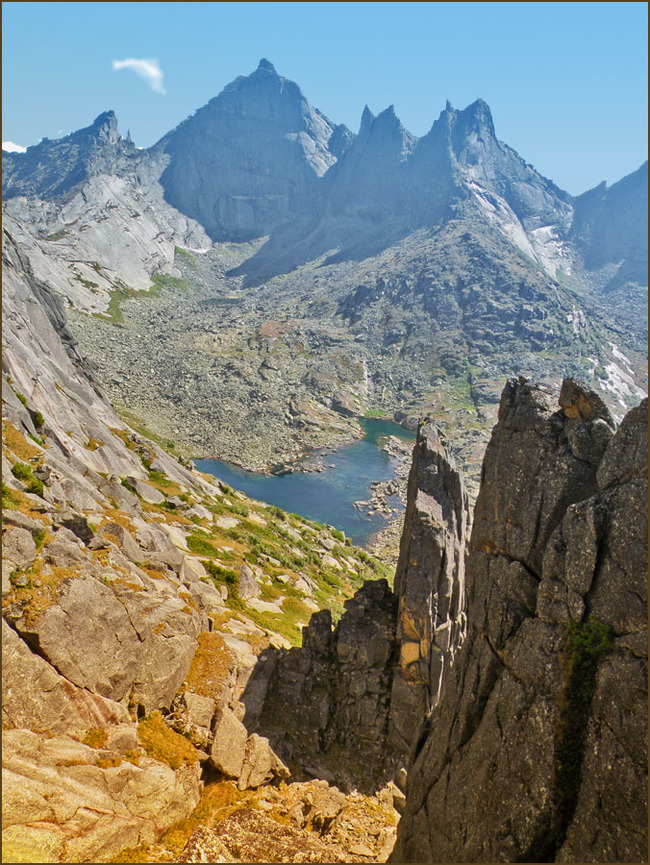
{"x": 327, "y": 703}
{"x": 536, "y": 751}
{"x": 429, "y": 583}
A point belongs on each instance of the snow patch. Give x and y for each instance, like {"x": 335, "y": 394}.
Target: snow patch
{"x": 498, "y": 211}
{"x": 622, "y": 385}
{"x": 551, "y": 252}
{"x": 10, "y": 147}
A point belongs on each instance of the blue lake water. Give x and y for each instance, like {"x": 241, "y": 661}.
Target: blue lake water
{"x": 325, "y": 496}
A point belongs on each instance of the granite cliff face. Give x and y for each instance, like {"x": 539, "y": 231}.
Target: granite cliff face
{"x": 249, "y": 160}
{"x": 536, "y": 750}
{"x": 429, "y": 584}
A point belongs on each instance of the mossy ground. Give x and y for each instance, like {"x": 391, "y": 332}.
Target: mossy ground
{"x": 164, "y": 744}
{"x": 210, "y": 666}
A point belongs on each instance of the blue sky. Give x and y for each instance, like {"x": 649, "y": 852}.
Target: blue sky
{"x": 566, "y": 82}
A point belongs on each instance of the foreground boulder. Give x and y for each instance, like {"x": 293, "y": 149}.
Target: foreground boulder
{"x": 537, "y": 749}
{"x": 64, "y": 801}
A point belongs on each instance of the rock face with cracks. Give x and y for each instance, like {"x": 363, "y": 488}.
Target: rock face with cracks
{"x": 429, "y": 583}
{"x": 537, "y": 749}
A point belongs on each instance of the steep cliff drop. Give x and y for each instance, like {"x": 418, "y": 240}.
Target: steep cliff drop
{"x": 429, "y": 584}
{"x": 536, "y": 751}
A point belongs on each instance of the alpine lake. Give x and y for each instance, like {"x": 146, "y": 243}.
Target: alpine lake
{"x": 329, "y": 495}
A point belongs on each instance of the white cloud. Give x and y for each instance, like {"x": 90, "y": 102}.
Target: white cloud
{"x": 10, "y": 147}
{"x": 147, "y": 69}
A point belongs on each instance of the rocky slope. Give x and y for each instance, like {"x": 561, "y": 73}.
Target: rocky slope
{"x": 536, "y": 751}
{"x": 137, "y": 597}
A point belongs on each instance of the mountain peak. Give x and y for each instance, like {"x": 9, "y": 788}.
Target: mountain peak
{"x": 479, "y": 112}
{"x": 367, "y": 119}
{"x": 266, "y": 66}
{"x": 105, "y": 127}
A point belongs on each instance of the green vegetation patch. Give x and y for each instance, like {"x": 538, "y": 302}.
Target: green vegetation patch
{"x": 24, "y": 473}
{"x": 587, "y": 643}
{"x": 202, "y": 544}
{"x": 219, "y": 574}
{"x": 164, "y": 280}
{"x": 9, "y": 498}
{"x": 185, "y": 255}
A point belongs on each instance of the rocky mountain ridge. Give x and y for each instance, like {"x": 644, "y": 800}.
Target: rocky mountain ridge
{"x": 536, "y": 750}
{"x": 359, "y": 248}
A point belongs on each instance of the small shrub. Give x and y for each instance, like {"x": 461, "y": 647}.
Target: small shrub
{"x": 21, "y": 397}
{"x": 9, "y": 499}
{"x": 132, "y": 757}
{"x": 21, "y": 471}
{"x": 39, "y": 420}
{"x": 108, "y": 762}
{"x": 96, "y": 737}
{"x": 35, "y": 487}
{"x": 219, "y": 574}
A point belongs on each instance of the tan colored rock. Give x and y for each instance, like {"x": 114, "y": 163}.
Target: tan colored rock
{"x": 39, "y": 843}
{"x": 261, "y": 764}
{"x": 18, "y": 548}
{"x": 146, "y": 492}
{"x": 229, "y": 744}
{"x": 143, "y": 641}
{"x": 192, "y": 570}
{"x": 247, "y": 584}
{"x": 56, "y": 799}
{"x": 124, "y": 540}
{"x": 200, "y": 710}
{"x": 35, "y": 696}
{"x": 250, "y": 836}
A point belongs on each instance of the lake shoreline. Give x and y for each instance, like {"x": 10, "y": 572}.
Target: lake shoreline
{"x": 359, "y": 489}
